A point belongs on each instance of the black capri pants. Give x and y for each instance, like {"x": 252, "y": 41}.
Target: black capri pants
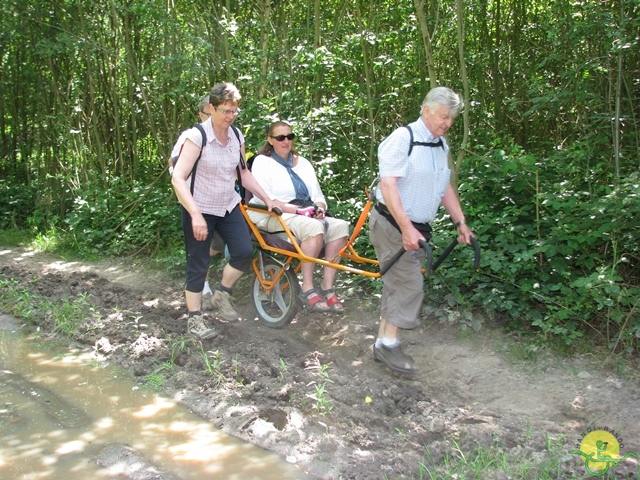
{"x": 235, "y": 233}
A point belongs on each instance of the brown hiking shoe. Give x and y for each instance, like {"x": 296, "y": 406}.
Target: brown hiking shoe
{"x": 394, "y": 358}
{"x": 198, "y": 327}
{"x": 221, "y": 301}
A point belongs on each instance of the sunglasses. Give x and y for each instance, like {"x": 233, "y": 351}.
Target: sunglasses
{"x": 281, "y": 138}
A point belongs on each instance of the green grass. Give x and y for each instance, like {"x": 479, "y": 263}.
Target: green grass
{"x": 155, "y": 381}
{"x": 17, "y": 301}
{"x": 498, "y": 462}
{"x": 212, "y": 362}
{"x": 322, "y": 402}
{"x": 14, "y": 237}
{"x": 488, "y": 462}
{"x": 67, "y": 314}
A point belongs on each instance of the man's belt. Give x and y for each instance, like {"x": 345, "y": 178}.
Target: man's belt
{"x": 423, "y": 228}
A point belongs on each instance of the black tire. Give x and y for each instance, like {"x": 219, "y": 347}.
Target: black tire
{"x": 277, "y": 308}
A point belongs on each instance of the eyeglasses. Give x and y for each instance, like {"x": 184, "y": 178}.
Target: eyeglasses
{"x": 228, "y": 112}
{"x": 281, "y": 138}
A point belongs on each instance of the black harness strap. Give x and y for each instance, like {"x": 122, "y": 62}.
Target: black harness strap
{"x": 422, "y": 144}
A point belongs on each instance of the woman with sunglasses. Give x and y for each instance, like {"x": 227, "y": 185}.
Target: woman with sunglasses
{"x": 286, "y": 176}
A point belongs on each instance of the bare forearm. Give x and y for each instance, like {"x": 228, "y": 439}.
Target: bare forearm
{"x": 451, "y": 203}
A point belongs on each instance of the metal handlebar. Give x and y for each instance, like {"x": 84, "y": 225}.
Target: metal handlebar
{"x": 452, "y": 245}
{"x": 275, "y": 210}
{"x": 424, "y": 245}
{"x": 431, "y": 266}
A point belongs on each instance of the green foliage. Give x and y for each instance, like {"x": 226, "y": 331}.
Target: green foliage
{"x": 496, "y": 460}
{"x": 16, "y": 204}
{"x": 13, "y": 237}
{"x": 322, "y": 402}
{"x": 212, "y": 363}
{"x": 63, "y": 315}
{"x": 67, "y": 315}
{"x": 155, "y": 381}
{"x": 557, "y": 255}
{"x": 130, "y": 219}
{"x": 17, "y": 300}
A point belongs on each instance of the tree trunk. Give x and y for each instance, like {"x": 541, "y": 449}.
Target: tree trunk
{"x": 465, "y": 86}
{"x": 426, "y": 39}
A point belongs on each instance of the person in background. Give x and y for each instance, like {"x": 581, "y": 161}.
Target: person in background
{"x": 411, "y": 189}
{"x": 214, "y": 206}
{"x": 290, "y": 178}
{"x": 217, "y": 244}
{"x": 203, "y": 113}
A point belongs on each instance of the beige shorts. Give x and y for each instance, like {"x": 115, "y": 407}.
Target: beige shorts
{"x": 403, "y": 284}
{"x": 303, "y": 227}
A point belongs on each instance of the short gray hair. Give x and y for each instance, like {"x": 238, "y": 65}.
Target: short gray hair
{"x": 444, "y": 97}
{"x": 204, "y": 103}
{"x": 223, "y": 93}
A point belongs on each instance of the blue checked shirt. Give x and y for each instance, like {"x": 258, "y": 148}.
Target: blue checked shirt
{"x": 423, "y": 177}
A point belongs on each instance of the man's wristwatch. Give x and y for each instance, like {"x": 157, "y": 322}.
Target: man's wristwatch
{"x": 461, "y": 222}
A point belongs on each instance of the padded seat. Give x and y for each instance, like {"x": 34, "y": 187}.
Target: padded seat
{"x": 280, "y": 240}
{"x": 276, "y": 240}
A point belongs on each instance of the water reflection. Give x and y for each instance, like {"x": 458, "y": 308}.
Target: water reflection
{"x": 66, "y": 416}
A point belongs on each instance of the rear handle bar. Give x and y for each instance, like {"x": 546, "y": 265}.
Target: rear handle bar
{"x": 425, "y": 246}
{"x": 452, "y": 245}
{"x": 431, "y": 266}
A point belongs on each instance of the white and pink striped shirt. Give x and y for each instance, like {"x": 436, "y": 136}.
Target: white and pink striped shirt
{"x": 214, "y": 189}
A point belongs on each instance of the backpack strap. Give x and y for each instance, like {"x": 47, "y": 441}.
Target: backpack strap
{"x": 421, "y": 144}
{"x": 410, "y": 140}
{"x": 195, "y": 165}
{"x": 242, "y": 165}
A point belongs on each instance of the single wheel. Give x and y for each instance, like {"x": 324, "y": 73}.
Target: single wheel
{"x": 279, "y": 306}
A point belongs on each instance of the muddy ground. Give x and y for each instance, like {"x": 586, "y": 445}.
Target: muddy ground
{"x": 312, "y": 392}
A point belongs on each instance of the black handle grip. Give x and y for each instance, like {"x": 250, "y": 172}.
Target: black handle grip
{"x": 476, "y": 250}
{"x": 424, "y": 245}
{"x": 275, "y": 210}
{"x": 452, "y": 245}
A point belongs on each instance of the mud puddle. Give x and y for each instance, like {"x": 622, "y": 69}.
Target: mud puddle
{"x": 63, "y": 414}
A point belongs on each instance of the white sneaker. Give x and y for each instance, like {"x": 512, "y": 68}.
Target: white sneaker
{"x": 198, "y": 327}
{"x": 222, "y": 302}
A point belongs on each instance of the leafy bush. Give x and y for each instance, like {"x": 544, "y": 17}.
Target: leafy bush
{"x": 130, "y": 217}
{"x": 559, "y": 256}
{"x": 17, "y": 203}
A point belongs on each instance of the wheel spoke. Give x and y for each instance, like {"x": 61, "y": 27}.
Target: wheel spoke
{"x": 278, "y": 299}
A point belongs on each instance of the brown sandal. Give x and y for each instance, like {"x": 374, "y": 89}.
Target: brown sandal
{"x": 332, "y": 302}
{"x": 312, "y": 301}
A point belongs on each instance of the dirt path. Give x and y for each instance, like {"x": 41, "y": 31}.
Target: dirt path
{"x": 313, "y": 393}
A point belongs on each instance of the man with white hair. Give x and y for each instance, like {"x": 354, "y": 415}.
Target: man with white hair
{"x": 414, "y": 182}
